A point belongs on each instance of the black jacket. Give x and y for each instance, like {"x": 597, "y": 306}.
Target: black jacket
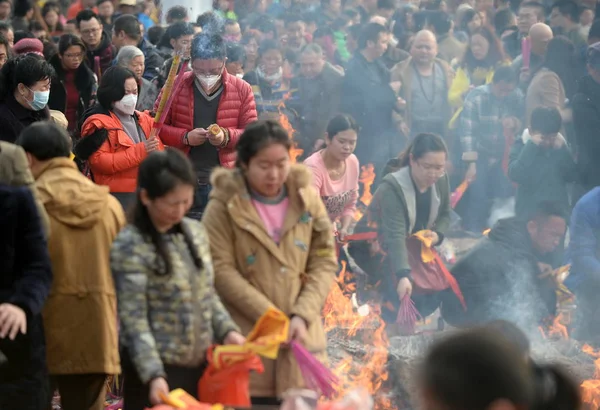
{"x": 512, "y": 44}
{"x": 499, "y": 280}
{"x": 153, "y": 60}
{"x": 14, "y": 118}
{"x": 105, "y": 51}
{"x": 586, "y": 120}
{"x": 84, "y": 81}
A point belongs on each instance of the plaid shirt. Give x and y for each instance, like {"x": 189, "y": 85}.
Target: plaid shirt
{"x": 481, "y": 120}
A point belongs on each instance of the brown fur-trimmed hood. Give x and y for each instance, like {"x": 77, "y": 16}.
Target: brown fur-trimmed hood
{"x": 227, "y": 183}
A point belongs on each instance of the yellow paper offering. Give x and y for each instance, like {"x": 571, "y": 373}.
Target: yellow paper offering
{"x": 180, "y": 399}
{"x": 427, "y": 254}
{"x": 270, "y": 331}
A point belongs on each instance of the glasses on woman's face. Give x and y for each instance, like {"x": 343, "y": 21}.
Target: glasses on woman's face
{"x": 74, "y": 56}
{"x": 433, "y": 169}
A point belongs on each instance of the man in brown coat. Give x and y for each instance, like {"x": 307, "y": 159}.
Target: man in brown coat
{"x": 15, "y": 171}
{"x": 80, "y": 316}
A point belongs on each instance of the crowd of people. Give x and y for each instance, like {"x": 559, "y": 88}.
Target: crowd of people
{"x": 188, "y": 226}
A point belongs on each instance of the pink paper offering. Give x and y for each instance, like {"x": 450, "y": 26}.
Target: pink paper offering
{"x": 526, "y": 51}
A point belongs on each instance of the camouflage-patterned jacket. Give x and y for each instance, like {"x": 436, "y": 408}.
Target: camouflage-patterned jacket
{"x": 167, "y": 319}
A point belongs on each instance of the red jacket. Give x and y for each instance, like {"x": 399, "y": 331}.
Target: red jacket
{"x": 236, "y": 110}
{"x": 116, "y": 162}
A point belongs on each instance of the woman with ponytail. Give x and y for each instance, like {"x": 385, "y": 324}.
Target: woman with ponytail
{"x": 413, "y": 197}
{"x": 24, "y": 93}
{"x": 168, "y": 309}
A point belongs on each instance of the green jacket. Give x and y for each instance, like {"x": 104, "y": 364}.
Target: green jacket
{"x": 393, "y": 213}
{"x": 167, "y": 319}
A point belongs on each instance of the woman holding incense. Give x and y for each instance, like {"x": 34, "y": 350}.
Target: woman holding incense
{"x": 115, "y": 138}
{"x": 413, "y": 198}
{"x": 271, "y": 243}
{"x": 336, "y": 171}
{"x": 168, "y": 309}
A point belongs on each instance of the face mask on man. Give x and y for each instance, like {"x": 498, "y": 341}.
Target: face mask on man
{"x": 208, "y": 81}
{"x": 40, "y": 99}
{"x": 127, "y": 104}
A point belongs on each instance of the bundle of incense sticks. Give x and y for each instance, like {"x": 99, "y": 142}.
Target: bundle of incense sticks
{"x": 167, "y": 93}
{"x": 97, "y": 68}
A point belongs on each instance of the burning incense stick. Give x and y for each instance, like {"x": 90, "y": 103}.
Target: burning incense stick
{"x": 167, "y": 93}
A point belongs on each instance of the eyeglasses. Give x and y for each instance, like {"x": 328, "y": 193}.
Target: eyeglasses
{"x": 214, "y": 71}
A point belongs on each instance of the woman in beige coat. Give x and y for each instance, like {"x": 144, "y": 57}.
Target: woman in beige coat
{"x": 272, "y": 246}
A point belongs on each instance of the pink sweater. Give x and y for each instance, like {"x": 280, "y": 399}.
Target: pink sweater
{"x": 272, "y": 215}
{"x": 339, "y": 196}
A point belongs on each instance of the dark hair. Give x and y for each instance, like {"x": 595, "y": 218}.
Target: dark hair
{"x": 27, "y": 69}
{"x": 350, "y": 13}
{"x": 159, "y": 174}
{"x": 324, "y": 31}
{"x": 355, "y": 31}
{"x": 505, "y": 74}
{"x": 5, "y": 26}
{"x": 421, "y": 145}
{"x": 259, "y": 135}
{"x": 264, "y": 24}
{"x": 561, "y": 59}
{"x": 230, "y": 22}
{"x": 440, "y": 21}
{"x": 235, "y": 53}
{"x": 4, "y": 42}
{"x": 539, "y": 7}
{"x": 112, "y": 85}
{"x": 86, "y": 15}
{"x": 370, "y": 32}
{"x": 176, "y": 31}
{"x": 456, "y": 364}
{"x": 267, "y": 45}
{"x": 567, "y": 8}
{"x": 99, "y": 2}
{"x": 72, "y": 21}
{"x": 595, "y": 30}
{"x": 22, "y": 7}
{"x": 502, "y": 20}
{"x": 208, "y": 46}
{"x": 35, "y": 25}
{"x": 155, "y": 34}
{"x": 386, "y": 4}
{"x": 176, "y": 13}
{"x": 512, "y": 333}
{"x": 547, "y": 209}
{"x": 211, "y": 22}
{"x": 128, "y": 24}
{"x": 52, "y": 6}
{"x": 555, "y": 389}
{"x": 494, "y": 57}
{"x": 340, "y": 123}
{"x": 545, "y": 120}
{"x": 45, "y": 140}
{"x": 7, "y": 1}
{"x": 466, "y": 19}
{"x": 69, "y": 40}
{"x": 21, "y": 34}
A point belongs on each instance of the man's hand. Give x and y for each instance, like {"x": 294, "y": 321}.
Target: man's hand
{"x": 395, "y": 86}
{"x": 433, "y": 236}
{"x": 400, "y": 103}
{"x": 404, "y": 130}
{"x": 197, "y": 136}
{"x": 536, "y": 139}
{"x": 12, "y": 321}
{"x": 558, "y": 142}
{"x": 218, "y": 139}
{"x": 524, "y": 75}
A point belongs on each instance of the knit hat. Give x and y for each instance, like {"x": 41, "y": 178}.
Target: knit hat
{"x": 29, "y": 45}
{"x": 59, "y": 119}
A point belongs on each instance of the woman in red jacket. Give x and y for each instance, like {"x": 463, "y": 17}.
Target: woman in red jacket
{"x": 208, "y": 98}
{"x": 115, "y": 138}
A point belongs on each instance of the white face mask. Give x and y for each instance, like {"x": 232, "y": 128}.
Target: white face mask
{"x": 127, "y": 104}
{"x": 240, "y": 75}
{"x": 208, "y": 81}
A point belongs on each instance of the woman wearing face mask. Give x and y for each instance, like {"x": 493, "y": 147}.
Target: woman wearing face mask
{"x": 209, "y": 112}
{"x": 24, "y": 91}
{"x": 267, "y": 81}
{"x": 74, "y": 85}
{"x": 335, "y": 171}
{"x": 272, "y": 246}
{"x": 115, "y": 138}
{"x": 483, "y": 55}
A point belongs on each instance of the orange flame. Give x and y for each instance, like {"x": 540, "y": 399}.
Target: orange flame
{"x": 295, "y": 152}
{"x": 558, "y": 327}
{"x": 590, "y": 389}
{"x": 367, "y": 178}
